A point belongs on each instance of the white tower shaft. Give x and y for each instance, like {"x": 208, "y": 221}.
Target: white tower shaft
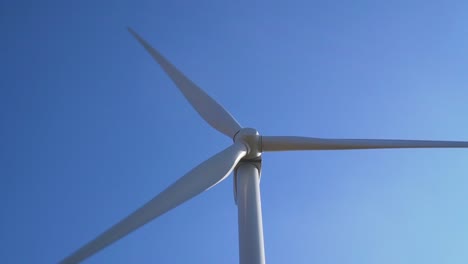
{"x": 251, "y": 246}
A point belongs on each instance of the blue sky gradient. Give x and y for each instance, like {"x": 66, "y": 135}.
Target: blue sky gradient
{"x": 91, "y": 128}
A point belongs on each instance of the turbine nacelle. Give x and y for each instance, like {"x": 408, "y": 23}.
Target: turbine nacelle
{"x": 251, "y": 140}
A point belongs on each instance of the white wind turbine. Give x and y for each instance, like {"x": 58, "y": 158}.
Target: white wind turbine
{"x": 243, "y": 156}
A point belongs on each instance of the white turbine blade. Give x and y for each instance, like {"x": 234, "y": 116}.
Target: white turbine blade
{"x": 207, "y": 107}
{"x": 282, "y": 143}
{"x": 199, "y": 179}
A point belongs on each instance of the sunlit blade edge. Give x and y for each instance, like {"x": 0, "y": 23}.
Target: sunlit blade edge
{"x": 199, "y": 179}
{"x": 208, "y": 108}
{"x": 284, "y": 143}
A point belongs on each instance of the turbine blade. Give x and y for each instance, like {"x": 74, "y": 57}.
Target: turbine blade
{"x": 210, "y": 110}
{"x": 282, "y": 143}
{"x": 199, "y": 179}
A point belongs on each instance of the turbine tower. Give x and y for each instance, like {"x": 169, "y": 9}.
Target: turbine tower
{"x": 243, "y": 157}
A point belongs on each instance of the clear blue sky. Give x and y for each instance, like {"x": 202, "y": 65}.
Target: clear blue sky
{"x": 91, "y": 128}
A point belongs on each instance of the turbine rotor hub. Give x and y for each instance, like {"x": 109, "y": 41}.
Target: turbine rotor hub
{"x": 252, "y": 140}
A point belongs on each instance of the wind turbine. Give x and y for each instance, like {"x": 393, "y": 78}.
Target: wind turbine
{"x": 243, "y": 157}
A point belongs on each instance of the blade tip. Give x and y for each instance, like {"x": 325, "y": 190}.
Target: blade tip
{"x": 129, "y": 29}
